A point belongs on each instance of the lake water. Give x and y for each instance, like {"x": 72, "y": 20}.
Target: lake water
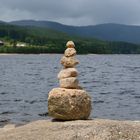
{"x": 113, "y": 82}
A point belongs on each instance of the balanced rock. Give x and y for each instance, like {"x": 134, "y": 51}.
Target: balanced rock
{"x": 69, "y": 62}
{"x": 70, "y": 44}
{"x": 71, "y": 83}
{"x": 70, "y": 52}
{"x": 69, "y": 72}
{"x": 69, "y": 104}
{"x": 69, "y": 101}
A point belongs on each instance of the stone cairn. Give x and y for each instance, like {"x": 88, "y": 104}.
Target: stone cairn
{"x": 69, "y": 101}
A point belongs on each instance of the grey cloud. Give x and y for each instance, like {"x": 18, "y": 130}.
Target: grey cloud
{"x": 75, "y": 12}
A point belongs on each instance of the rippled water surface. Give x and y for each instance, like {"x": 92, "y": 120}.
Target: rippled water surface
{"x": 113, "y": 81}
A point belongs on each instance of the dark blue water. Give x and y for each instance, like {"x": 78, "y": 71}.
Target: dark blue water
{"x": 113, "y": 81}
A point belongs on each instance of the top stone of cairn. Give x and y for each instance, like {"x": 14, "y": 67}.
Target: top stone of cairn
{"x": 70, "y": 44}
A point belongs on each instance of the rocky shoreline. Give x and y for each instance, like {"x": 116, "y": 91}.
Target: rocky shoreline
{"x": 97, "y": 129}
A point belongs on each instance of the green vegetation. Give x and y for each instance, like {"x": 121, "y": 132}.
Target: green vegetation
{"x": 43, "y": 40}
{"x": 28, "y": 50}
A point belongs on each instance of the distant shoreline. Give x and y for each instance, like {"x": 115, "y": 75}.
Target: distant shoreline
{"x": 9, "y": 53}
{"x": 3, "y": 54}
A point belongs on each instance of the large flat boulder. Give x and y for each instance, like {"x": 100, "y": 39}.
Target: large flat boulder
{"x": 74, "y": 130}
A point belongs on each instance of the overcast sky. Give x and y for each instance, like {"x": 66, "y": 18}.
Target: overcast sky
{"x": 73, "y": 12}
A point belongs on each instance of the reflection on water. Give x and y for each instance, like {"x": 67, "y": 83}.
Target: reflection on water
{"x": 113, "y": 81}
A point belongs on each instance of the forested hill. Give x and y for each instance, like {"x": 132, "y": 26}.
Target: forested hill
{"x": 110, "y": 31}
{"x": 47, "y": 40}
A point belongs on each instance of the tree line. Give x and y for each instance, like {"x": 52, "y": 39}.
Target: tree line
{"x": 42, "y": 40}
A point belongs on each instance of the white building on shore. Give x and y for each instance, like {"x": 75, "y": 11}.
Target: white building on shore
{"x": 1, "y": 43}
{"x": 20, "y": 45}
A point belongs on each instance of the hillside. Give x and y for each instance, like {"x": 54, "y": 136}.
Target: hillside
{"x": 109, "y": 32}
{"x": 47, "y": 40}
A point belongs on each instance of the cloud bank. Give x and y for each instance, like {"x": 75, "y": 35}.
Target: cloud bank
{"x": 73, "y": 12}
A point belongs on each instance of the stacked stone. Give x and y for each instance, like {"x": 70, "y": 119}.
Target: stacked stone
{"x": 70, "y": 101}
{"x": 68, "y": 76}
